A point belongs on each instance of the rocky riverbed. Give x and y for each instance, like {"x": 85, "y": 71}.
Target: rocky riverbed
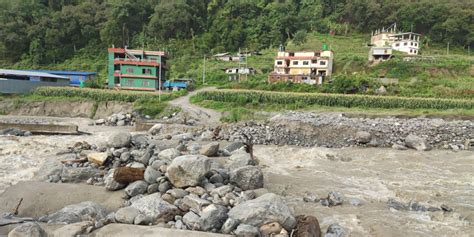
{"x": 188, "y": 180}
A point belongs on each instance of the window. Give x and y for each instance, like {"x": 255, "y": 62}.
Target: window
{"x": 314, "y": 61}
{"x": 292, "y": 54}
{"x": 405, "y": 43}
{"x": 415, "y": 51}
{"x": 295, "y": 62}
{"x": 129, "y": 70}
{"x": 397, "y": 44}
{"x": 322, "y": 63}
{"x": 129, "y": 83}
{"x": 411, "y": 43}
{"x": 317, "y": 54}
{"x": 146, "y": 71}
{"x": 416, "y": 44}
{"x": 305, "y": 62}
{"x": 411, "y": 50}
{"x": 145, "y": 83}
{"x": 279, "y": 62}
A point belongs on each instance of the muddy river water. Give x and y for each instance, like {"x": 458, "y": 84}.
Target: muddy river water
{"x": 374, "y": 175}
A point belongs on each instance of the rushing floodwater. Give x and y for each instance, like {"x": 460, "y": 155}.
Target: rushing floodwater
{"x": 375, "y": 175}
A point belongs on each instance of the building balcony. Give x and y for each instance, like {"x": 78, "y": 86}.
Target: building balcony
{"x": 118, "y": 74}
{"x": 141, "y": 62}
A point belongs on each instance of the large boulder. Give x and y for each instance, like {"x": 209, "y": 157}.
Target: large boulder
{"x": 416, "y": 142}
{"x": 29, "y": 229}
{"x": 239, "y": 159}
{"x": 213, "y": 216}
{"x": 363, "y": 137}
{"x": 135, "y": 188}
{"x": 168, "y": 154}
{"x": 155, "y": 129}
{"x": 247, "y": 177}
{"x": 264, "y": 209}
{"x": 155, "y": 207}
{"x": 210, "y": 149}
{"x": 120, "y": 139}
{"x": 126, "y": 215}
{"x": 111, "y": 184}
{"x": 188, "y": 170}
{"x": 234, "y": 146}
{"x": 192, "y": 221}
{"x": 83, "y": 211}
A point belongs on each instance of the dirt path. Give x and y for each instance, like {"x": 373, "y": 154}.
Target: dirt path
{"x": 202, "y": 115}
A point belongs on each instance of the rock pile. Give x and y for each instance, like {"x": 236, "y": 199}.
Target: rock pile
{"x": 119, "y": 119}
{"x": 180, "y": 187}
{"x": 336, "y": 130}
{"x": 14, "y": 132}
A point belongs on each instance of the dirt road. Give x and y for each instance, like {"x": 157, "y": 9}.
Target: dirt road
{"x": 202, "y": 115}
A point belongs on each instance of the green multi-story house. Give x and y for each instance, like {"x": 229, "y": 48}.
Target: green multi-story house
{"x": 136, "y": 69}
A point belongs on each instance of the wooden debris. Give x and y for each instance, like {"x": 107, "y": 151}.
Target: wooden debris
{"x": 126, "y": 175}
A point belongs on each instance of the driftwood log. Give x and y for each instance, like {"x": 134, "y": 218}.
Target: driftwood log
{"x": 126, "y": 175}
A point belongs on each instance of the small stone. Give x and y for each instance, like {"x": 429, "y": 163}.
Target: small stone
{"x": 97, "y": 158}
{"x": 355, "y": 202}
{"x": 124, "y": 157}
{"x": 120, "y": 139}
{"x": 155, "y": 129}
{"x": 192, "y": 220}
{"x": 247, "y": 177}
{"x": 363, "y": 137}
{"x": 216, "y": 178}
{"x": 168, "y": 154}
{"x": 163, "y": 187}
{"x": 210, "y": 149}
{"x": 417, "y": 143}
{"x": 270, "y": 229}
{"x": 335, "y": 230}
{"x": 178, "y": 192}
{"x": 310, "y": 197}
{"x": 445, "y": 208}
{"x": 141, "y": 219}
{"x": 152, "y": 188}
{"x": 195, "y": 202}
{"x": 335, "y": 198}
{"x": 213, "y": 217}
{"x": 234, "y": 146}
{"x": 151, "y": 175}
{"x": 168, "y": 198}
{"x": 392, "y": 203}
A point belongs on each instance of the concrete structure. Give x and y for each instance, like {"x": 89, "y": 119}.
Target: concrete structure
{"x": 17, "y": 81}
{"x": 234, "y": 72}
{"x": 311, "y": 67}
{"x": 136, "y": 69}
{"x": 407, "y": 42}
{"x": 76, "y": 78}
{"x": 380, "y": 53}
{"x": 42, "y": 128}
{"x": 227, "y": 57}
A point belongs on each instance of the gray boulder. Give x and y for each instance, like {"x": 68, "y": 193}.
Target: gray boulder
{"x": 234, "y": 146}
{"x": 335, "y": 230}
{"x": 126, "y": 215}
{"x": 135, "y": 188}
{"x": 193, "y": 201}
{"x": 155, "y": 129}
{"x": 120, "y": 139}
{"x": 213, "y": 216}
{"x": 229, "y": 225}
{"x": 188, "y": 170}
{"x": 363, "y": 137}
{"x": 151, "y": 175}
{"x": 83, "y": 211}
{"x": 264, "y": 209}
{"x": 247, "y": 177}
{"x": 111, "y": 184}
{"x": 141, "y": 219}
{"x": 244, "y": 230}
{"x": 154, "y": 207}
{"x": 50, "y": 168}
{"x": 239, "y": 159}
{"x": 29, "y": 229}
{"x": 140, "y": 140}
{"x": 168, "y": 154}
{"x": 416, "y": 142}
{"x": 78, "y": 174}
{"x": 210, "y": 149}
{"x": 192, "y": 221}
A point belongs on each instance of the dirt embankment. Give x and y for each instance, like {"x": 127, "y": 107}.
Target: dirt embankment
{"x": 84, "y": 109}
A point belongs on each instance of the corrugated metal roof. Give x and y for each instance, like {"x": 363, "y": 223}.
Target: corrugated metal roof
{"x": 29, "y": 73}
{"x": 65, "y": 72}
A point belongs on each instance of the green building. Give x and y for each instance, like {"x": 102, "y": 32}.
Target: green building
{"x": 136, "y": 69}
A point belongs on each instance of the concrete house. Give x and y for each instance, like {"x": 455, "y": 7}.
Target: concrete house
{"x": 311, "y": 67}
{"x": 380, "y": 53}
{"x": 130, "y": 69}
{"x": 407, "y": 42}
{"x": 227, "y": 57}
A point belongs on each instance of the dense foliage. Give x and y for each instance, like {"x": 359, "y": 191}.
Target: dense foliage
{"x": 243, "y": 97}
{"x": 42, "y": 32}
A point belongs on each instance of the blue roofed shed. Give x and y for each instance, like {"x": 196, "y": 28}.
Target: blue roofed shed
{"x": 75, "y": 77}
{"x": 17, "y": 81}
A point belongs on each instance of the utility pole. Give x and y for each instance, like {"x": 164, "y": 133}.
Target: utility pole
{"x": 246, "y": 64}
{"x": 239, "y": 68}
{"x": 447, "y": 49}
{"x": 159, "y": 80}
{"x": 204, "y": 71}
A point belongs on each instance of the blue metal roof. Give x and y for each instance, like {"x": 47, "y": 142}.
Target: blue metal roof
{"x": 65, "y": 72}
{"x": 6, "y": 72}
